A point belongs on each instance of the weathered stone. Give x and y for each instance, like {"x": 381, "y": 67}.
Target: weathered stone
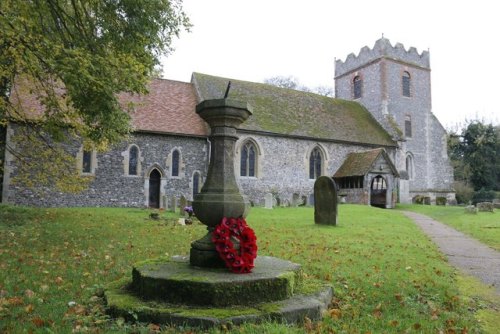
{"x": 268, "y": 201}
{"x": 470, "y": 209}
{"x": 325, "y": 201}
{"x": 485, "y": 207}
{"x": 220, "y": 196}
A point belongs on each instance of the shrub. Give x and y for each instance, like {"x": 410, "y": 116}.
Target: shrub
{"x": 463, "y": 192}
{"x": 441, "y": 201}
{"x": 483, "y": 195}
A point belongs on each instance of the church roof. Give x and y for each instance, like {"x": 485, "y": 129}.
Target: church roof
{"x": 296, "y": 113}
{"x": 360, "y": 163}
{"x": 170, "y": 107}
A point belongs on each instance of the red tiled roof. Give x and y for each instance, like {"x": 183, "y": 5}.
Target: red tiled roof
{"x": 169, "y": 107}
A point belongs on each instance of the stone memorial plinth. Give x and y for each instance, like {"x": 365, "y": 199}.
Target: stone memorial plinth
{"x": 201, "y": 291}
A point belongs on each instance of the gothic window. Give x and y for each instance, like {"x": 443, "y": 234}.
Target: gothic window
{"x": 87, "y": 162}
{"x": 357, "y": 87}
{"x": 133, "y": 160}
{"x": 175, "y": 162}
{"x": 248, "y": 160}
{"x": 315, "y": 161}
{"x": 406, "y": 84}
{"x": 408, "y": 126}
{"x": 409, "y": 166}
{"x": 378, "y": 183}
{"x": 196, "y": 183}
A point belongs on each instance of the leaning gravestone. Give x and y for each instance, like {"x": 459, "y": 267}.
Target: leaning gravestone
{"x": 268, "y": 201}
{"x": 173, "y": 203}
{"x": 325, "y": 201}
{"x": 182, "y": 203}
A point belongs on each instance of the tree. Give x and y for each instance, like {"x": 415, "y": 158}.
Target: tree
{"x": 292, "y": 82}
{"x": 75, "y": 56}
{"x": 475, "y": 155}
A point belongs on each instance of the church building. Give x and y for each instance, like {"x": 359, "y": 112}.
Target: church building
{"x": 377, "y": 138}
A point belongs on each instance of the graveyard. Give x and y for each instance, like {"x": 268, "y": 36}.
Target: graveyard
{"x": 386, "y": 275}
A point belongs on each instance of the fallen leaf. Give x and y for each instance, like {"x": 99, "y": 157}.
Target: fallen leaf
{"x": 15, "y": 301}
{"x": 59, "y": 280}
{"x": 29, "y": 293}
{"x": 29, "y": 308}
{"x": 38, "y": 322}
{"x": 335, "y": 313}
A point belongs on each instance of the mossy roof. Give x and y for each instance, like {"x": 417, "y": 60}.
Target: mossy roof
{"x": 296, "y": 113}
{"x": 360, "y": 163}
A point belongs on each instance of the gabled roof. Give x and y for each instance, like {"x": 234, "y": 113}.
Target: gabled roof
{"x": 296, "y": 113}
{"x": 361, "y": 163}
{"x": 170, "y": 107}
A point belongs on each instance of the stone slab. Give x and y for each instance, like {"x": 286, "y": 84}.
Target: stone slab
{"x": 176, "y": 281}
{"x": 121, "y": 303}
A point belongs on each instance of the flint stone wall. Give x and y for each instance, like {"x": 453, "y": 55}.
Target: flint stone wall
{"x": 111, "y": 187}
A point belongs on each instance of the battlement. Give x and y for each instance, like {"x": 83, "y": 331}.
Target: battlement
{"x": 382, "y": 49}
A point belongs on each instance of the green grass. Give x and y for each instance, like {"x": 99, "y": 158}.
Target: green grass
{"x": 388, "y": 277}
{"x": 484, "y": 226}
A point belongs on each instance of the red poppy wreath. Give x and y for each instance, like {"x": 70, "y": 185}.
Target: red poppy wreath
{"x": 238, "y": 262}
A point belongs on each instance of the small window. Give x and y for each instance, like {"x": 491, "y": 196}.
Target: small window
{"x": 408, "y": 126}
{"x": 409, "y": 166}
{"x": 133, "y": 160}
{"x": 175, "y": 163}
{"x": 406, "y": 84}
{"x": 196, "y": 183}
{"x": 315, "y": 161}
{"x": 87, "y": 162}
{"x": 357, "y": 87}
{"x": 248, "y": 160}
{"x": 378, "y": 183}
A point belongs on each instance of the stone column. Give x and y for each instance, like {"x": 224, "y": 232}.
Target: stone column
{"x": 220, "y": 196}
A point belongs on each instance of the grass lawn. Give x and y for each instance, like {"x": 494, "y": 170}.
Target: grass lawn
{"x": 387, "y": 276}
{"x": 484, "y": 226}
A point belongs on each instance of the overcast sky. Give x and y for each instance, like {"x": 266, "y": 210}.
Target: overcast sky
{"x": 258, "y": 39}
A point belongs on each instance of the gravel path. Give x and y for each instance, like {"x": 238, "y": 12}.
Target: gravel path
{"x": 463, "y": 252}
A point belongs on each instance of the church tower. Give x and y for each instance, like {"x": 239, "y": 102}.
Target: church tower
{"x": 394, "y": 84}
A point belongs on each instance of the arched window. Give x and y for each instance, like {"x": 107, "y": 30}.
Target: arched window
{"x": 248, "y": 160}
{"x": 357, "y": 87}
{"x": 133, "y": 160}
{"x": 315, "y": 161}
{"x": 406, "y": 84}
{"x": 196, "y": 183}
{"x": 175, "y": 163}
{"x": 378, "y": 183}
{"x": 409, "y": 166}
{"x": 408, "y": 126}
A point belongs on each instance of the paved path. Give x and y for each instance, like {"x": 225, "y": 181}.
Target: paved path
{"x": 463, "y": 252}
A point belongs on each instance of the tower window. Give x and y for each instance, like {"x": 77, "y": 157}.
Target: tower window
{"x": 408, "y": 126}
{"x": 409, "y": 166}
{"x": 406, "y": 84}
{"x": 357, "y": 87}
{"x": 315, "y": 161}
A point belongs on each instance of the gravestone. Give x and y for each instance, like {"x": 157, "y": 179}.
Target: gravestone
{"x": 182, "y": 203}
{"x": 295, "y": 200}
{"x": 325, "y": 201}
{"x": 164, "y": 200}
{"x": 173, "y": 204}
{"x": 268, "y": 201}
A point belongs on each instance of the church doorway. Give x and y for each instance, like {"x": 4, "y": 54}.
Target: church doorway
{"x": 154, "y": 188}
{"x": 378, "y": 192}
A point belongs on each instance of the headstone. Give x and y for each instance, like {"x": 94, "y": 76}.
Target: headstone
{"x": 471, "y": 209}
{"x": 325, "y": 204}
{"x": 311, "y": 199}
{"x": 268, "y": 201}
{"x": 295, "y": 200}
{"x": 485, "y": 207}
{"x": 164, "y": 199}
{"x": 182, "y": 203}
{"x": 173, "y": 204}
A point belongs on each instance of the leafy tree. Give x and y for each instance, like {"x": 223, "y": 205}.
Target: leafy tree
{"x": 291, "y": 82}
{"x": 475, "y": 155}
{"x": 75, "y": 56}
